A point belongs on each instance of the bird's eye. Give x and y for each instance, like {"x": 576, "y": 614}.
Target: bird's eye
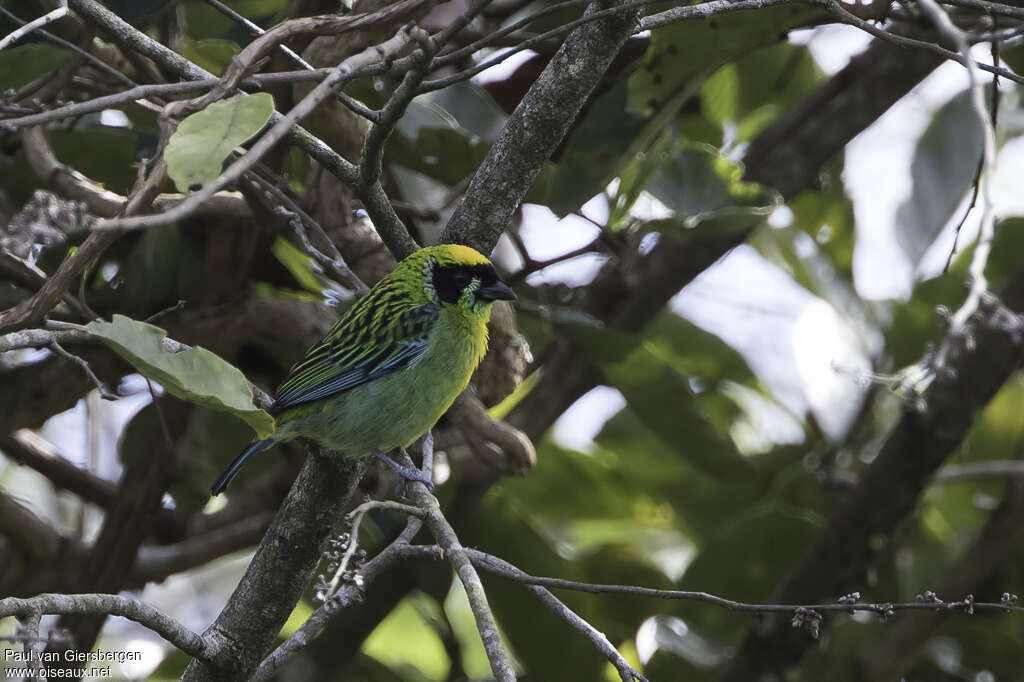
{"x": 461, "y": 279}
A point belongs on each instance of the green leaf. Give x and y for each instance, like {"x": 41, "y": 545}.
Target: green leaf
{"x": 945, "y": 162}
{"x": 195, "y": 375}
{"x": 22, "y": 64}
{"x": 662, "y": 398}
{"x": 771, "y": 81}
{"x": 198, "y": 147}
{"x": 306, "y": 271}
{"x": 212, "y": 54}
{"x": 720, "y": 95}
{"x": 595, "y": 150}
{"x": 404, "y": 639}
{"x": 913, "y": 321}
{"x": 703, "y": 189}
{"x": 445, "y": 154}
{"x": 691, "y": 50}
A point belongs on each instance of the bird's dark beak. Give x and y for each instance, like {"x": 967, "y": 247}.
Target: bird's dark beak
{"x": 499, "y": 291}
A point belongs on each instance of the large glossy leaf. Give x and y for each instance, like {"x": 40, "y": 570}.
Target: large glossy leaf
{"x": 445, "y": 154}
{"x": 425, "y": 650}
{"x": 198, "y": 147}
{"x": 663, "y": 399}
{"x": 195, "y": 375}
{"x": 914, "y": 322}
{"x": 945, "y": 162}
{"x": 747, "y": 558}
{"x": 705, "y": 191}
{"x": 682, "y": 52}
{"x": 595, "y": 150}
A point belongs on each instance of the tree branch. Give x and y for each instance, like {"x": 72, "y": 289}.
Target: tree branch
{"x": 536, "y": 128}
{"x": 281, "y": 568}
{"x": 340, "y": 75}
{"x": 837, "y": 561}
{"x": 114, "y": 605}
{"x": 19, "y": 33}
{"x": 457, "y": 555}
{"x": 350, "y": 593}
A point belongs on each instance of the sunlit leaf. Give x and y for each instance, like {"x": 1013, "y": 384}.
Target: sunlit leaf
{"x": 945, "y": 162}
{"x": 403, "y": 638}
{"x": 661, "y": 398}
{"x": 688, "y": 50}
{"x": 705, "y": 191}
{"x": 914, "y": 322}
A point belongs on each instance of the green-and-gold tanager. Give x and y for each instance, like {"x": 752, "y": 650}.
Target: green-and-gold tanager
{"x": 394, "y": 362}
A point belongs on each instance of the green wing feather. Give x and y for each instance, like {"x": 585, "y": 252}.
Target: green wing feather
{"x": 382, "y": 333}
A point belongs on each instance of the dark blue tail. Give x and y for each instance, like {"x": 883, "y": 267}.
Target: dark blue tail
{"x": 222, "y": 483}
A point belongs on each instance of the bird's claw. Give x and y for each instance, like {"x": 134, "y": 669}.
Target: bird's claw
{"x": 407, "y": 474}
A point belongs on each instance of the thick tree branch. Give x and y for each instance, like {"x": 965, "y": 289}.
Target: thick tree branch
{"x": 350, "y": 594}
{"x": 281, "y": 568}
{"x": 536, "y": 128}
{"x": 837, "y": 561}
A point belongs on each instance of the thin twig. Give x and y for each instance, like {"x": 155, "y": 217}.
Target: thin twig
{"x": 298, "y": 219}
{"x": 31, "y": 641}
{"x": 353, "y": 105}
{"x": 339, "y": 76}
{"x": 458, "y": 556}
{"x": 24, "y": 30}
{"x": 88, "y": 56}
{"x": 842, "y": 14}
{"x": 596, "y": 637}
{"x": 844, "y": 604}
{"x": 59, "y": 349}
{"x": 989, "y": 7}
{"x": 535, "y": 266}
{"x": 373, "y": 146}
{"x": 164, "y": 90}
{"x": 73, "y": 333}
{"x": 967, "y": 213}
{"x": 996, "y": 469}
{"x": 348, "y": 594}
{"x": 976, "y": 273}
{"x": 330, "y": 590}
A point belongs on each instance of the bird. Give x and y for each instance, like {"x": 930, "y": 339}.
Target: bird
{"x": 393, "y": 363}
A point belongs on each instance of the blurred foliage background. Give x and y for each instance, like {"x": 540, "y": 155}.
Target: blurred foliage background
{"x": 719, "y": 431}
